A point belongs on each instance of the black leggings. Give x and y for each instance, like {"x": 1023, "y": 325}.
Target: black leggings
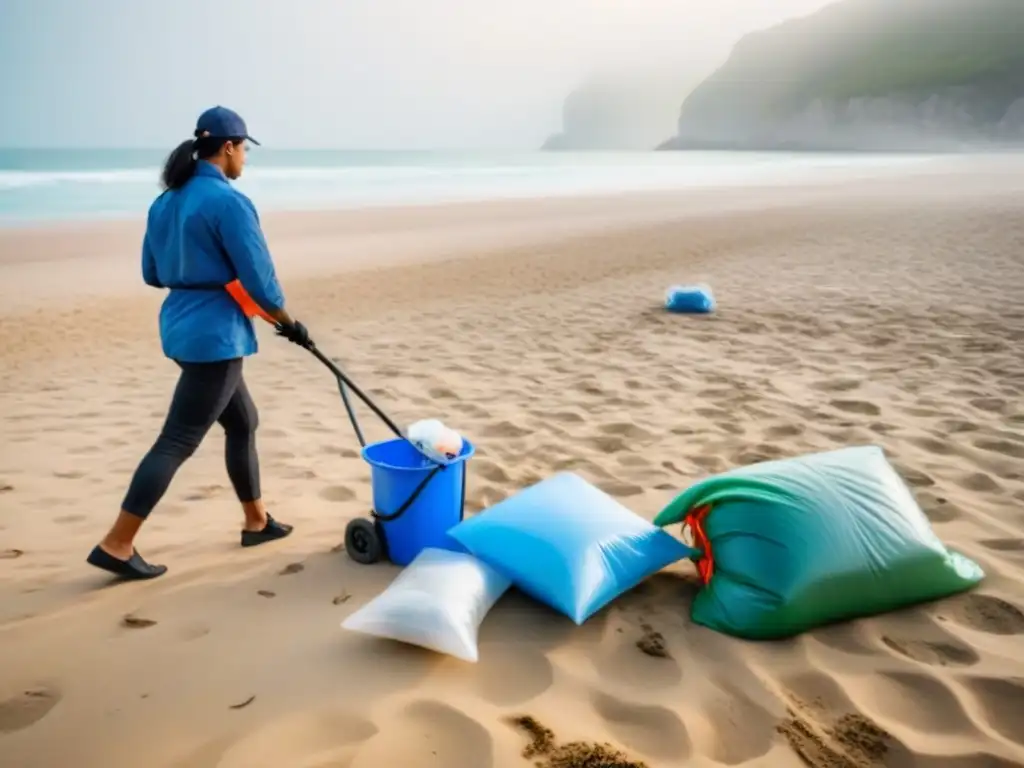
{"x": 206, "y": 393}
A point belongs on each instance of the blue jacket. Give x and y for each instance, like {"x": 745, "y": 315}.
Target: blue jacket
{"x": 198, "y": 239}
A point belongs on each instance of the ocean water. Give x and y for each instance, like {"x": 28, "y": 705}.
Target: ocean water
{"x": 59, "y": 184}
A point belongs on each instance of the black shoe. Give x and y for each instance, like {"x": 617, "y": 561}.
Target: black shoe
{"x": 272, "y": 531}
{"x": 134, "y": 568}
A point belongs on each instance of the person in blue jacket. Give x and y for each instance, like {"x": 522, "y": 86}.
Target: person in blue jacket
{"x": 201, "y": 234}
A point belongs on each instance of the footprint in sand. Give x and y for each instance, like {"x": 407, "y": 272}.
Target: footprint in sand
{"x": 609, "y": 443}
{"x": 836, "y": 385}
{"x": 940, "y": 653}
{"x": 428, "y": 732}
{"x": 308, "y": 738}
{"x": 712, "y": 414}
{"x": 648, "y": 729}
{"x": 983, "y": 613}
{"x": 634, "y": 460}
{"x": 978, "y": 482}
{"x": 204, "y": 492}
{"x": 504, "y": 429}
{"x": 490, "y": 471}
{"x": 883, "y": 428}
{"x": 757, "y": 454}
{"x": 938, "y": 509}
{"x": 848, "y": 638}
{"x": 914, "y": 477}
{"x": 620, "y": 660}
{"x": 921, "y": 700}
{"x": 27, "y": 708}
{"x": 1001, "y": 447}
{"x": 524, "y": 674}
{"x": 560, "y": 417}
{"x": 69, "y": 519}
{"x": 989, "y": 404}
{"x": 671, "y": 467}
{"x": 861, "y": 407}
{"x": 710, "y": 463}
{"x": 782, "y": 431}
{"x": 933, "y": 445}
{"x": 1000, "y": 699}
{"x": 442, "y": 393}
{"x": 581, "y": 465}
{"x": 85, "y": 450}
{"x": 816, "y": 686}
{"x": 620, "y": 489}
{"x": 731, "y": 427}
{"x": 337, "y": 493}
{"x": 721, "y": 714}
{"x": 956, "y": 426}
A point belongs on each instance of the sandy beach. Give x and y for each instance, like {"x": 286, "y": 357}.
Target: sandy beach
{"x": 888, "y": 312}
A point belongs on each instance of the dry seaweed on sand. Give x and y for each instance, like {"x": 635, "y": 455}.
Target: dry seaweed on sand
{"x": 576, "y": 754}
{"x": 854, "y": 742}
{"x": 542, "y": 739}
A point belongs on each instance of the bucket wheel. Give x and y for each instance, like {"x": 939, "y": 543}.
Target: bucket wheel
{"x": 363, "y": 541}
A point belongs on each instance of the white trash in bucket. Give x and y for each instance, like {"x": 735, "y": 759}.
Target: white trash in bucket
{"x": 434, "y": 440}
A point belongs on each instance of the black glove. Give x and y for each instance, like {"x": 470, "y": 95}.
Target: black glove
{"x": 295, "y": 333}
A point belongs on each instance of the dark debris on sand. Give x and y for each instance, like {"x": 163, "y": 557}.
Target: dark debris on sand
{"x": 575, "y": 754}
{"x": 652, "y": 642}
{"x": 854, "y": 741}
{"x": 542, "y": 739}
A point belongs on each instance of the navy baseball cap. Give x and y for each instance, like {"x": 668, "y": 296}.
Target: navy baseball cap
{"x": 223, "y": 123}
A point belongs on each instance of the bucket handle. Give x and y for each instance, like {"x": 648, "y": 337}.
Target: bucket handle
{"x": 409, "y": 501}
{"x": 344, "y": 384}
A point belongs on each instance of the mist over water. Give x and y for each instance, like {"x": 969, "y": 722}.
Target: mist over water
{"x": 34, "y": 186}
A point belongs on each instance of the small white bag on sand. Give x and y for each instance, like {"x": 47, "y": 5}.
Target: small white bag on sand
{"x": 437, "y": 602}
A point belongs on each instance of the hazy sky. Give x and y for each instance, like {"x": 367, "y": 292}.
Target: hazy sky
{"x": 338, "y": 73}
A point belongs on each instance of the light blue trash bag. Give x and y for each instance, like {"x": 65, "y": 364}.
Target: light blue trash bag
{"x": 569, "y": 545}
{"x": 690, "y": 298}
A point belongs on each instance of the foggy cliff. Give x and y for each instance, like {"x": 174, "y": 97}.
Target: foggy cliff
{"x": 621, "y": 112}
{"x": 868, "y": 75}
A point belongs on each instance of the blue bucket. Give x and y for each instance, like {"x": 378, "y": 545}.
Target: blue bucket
{"x": 396, "y": 470}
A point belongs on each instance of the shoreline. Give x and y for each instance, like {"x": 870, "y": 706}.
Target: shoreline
{"x": 821, "y": 175}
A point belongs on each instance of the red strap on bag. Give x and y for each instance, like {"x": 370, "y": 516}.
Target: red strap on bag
{"x": 706, "y": 563}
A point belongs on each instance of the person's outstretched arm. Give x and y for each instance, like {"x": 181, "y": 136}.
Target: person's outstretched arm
{"x": 240, "y": 231}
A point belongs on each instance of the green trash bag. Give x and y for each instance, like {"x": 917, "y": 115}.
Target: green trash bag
{"x": 792, "y": 544}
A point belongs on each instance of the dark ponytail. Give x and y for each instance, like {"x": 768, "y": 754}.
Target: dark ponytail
{"x": 181, "y": 163}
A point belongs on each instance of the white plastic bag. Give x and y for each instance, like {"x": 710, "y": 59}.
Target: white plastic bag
{"x": 434, "y": 440}
{"x": 437, "y": 602}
